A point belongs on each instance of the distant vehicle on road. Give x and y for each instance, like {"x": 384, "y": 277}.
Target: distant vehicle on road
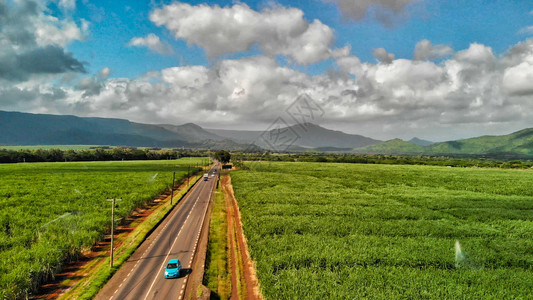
{"x": 172, "y": 270}
{"x": 206, "y": 176}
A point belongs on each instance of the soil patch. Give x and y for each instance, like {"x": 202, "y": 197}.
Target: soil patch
{"x": 237, "y": 240}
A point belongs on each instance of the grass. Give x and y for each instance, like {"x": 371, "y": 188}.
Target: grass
{"x": 218, "y": 274}
{"x": 388, "y": 231}
{"x": 51, "y": 212}
{"x": 90, "y": 285}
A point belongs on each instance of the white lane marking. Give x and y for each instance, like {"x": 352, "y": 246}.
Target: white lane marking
{"x": 170, "y": 250}
{"x": 198, "y": 237}
{"x": 187, "y": 196}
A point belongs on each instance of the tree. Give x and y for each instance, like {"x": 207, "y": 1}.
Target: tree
{"x": 223, "y": 156}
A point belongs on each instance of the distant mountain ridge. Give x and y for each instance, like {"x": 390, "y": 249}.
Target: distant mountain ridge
{"x": 307, "y": 136}
{"x": 18, "y": 128}
{"x": 395, "y": 146}
{"x": 515, "y": 145}
{"x": 420, "y": 142}
{"x": 41, "y": 129}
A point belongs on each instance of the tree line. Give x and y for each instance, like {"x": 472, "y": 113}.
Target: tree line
{"x": 97, "y": 154}
{"x": 238, "y": 158}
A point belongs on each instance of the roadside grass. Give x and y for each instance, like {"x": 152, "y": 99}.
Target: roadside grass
{"x": 51, "y": 213}
{"x": 101, "y": 272}
{"x": 218, "y": 274}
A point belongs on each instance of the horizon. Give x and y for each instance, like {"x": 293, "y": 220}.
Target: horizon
{"x": 289, "y": 125}
{"x": 386, "y": 69}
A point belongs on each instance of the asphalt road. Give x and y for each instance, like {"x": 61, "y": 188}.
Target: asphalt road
{"x": 142, "y": 276}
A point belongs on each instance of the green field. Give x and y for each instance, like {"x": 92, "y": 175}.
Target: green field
{"x": 50, "y": 212}
{"x": 349, "y": 231}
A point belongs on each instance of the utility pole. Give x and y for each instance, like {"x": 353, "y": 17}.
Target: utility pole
{"x": 112, "y": 227}
{"x": 188, "y": 170}
{"x": 172, "y": 188}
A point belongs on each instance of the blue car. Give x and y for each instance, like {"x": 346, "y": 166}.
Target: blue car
{"x": 172, "y": 270}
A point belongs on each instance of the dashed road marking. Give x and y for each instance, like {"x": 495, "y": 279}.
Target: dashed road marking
{"x": 170, "y": 250}
{"x": 152, "y": 240}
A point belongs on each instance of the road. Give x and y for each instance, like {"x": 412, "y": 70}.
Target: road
{"x": 141, "y": 277}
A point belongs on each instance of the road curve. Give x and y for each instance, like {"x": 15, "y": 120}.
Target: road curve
{"x": 141, "y": 277}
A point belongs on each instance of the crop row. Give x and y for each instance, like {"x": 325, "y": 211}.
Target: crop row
{"x": 51, "y": 212}
{"x": 319, "y": 230}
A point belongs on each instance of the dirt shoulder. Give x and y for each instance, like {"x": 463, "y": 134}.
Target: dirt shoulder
{"x": 245, "y": 284}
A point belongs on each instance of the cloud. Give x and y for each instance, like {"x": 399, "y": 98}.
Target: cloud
{"x": 36, "y": 99}
{"x": 440, "y": 92}
{"x": 89, "y": 86}
{"x": 424, "y": 50}
{"x": 32, "y": 42}
{"x": 104, "y": 73}
{"x": 92, "y": 86}
{"x": 385, "y": 11}
{"x": 526, "y": 30}
{"x": 38, "y": 61}
{"x": 518, "y": 79}
{"x": 383, "y": 55}
{"x": 221, "y": 30}
{"x": 188, "y": 76}
{"x": 51, "y": 31}
{"x": 153, "y": 42}
{"x": 518, "y": 74}
{"x": 470, "y": 92}
{"x": 67, "y": 4}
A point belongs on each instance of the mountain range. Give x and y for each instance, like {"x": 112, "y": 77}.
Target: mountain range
{"x": 18, "y": 128}
{"x": 305, "y": 136}
{"x": 515, "y": 145}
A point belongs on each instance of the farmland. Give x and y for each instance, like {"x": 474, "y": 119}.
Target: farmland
{"x": 51, "y": 212}
{"x": 337, "y": 231}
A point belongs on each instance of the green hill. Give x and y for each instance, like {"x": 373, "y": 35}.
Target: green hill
{"x": 395, "y": 146}
{"x": 519, "y": 143}
{"x": 515, "y": 145}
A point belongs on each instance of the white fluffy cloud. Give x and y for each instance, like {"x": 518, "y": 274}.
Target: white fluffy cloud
{"x": 473, "y": 91}
{"x": 153, "y": 42}
{"x": 472, "y": 88}
{"x": 221, "y": 30}
{"x": 425, "y": 50}
{"x": 526, "y": 30}
{"x": 104, "y": 73}
{"x": 385, "y": 11}
{"x": 518, "y": 80}
{"x": 67, "y": 4}
{"x": 439, "y": 94}
{"x": 32, "y": 43}
{"x": 383, "y": 55}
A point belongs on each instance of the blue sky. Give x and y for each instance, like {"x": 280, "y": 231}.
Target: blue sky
{"x": 434, "y": 69}
{"x": 456, "y": 23}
